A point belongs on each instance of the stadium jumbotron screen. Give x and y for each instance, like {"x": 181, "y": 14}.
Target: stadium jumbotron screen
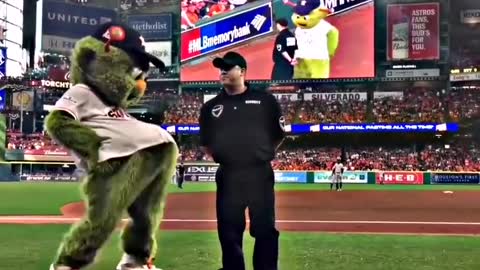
{"x": 345, "y": 36}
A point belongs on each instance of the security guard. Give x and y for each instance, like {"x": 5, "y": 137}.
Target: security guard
{"x": 241, "y": 128}
{"x": 284, "y": 52}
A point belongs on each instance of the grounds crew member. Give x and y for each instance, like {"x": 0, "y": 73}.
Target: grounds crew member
{"x": 181, "y": 174}
{"x": 241, "y": 128}
{"x": 337, "y": 173}
{"x": 284, "y": 52}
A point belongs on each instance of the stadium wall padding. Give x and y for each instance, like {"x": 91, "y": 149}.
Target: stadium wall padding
{"x": 371, "y": 177}
{"x": 3, "y": 136}
{"x": 6, "y": 173}
{"x": 427, "y": 178}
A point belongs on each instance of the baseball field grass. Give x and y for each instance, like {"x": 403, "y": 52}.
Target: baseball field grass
{"x": 48, "y": 198}
{"x": 31, "y": 247}
{"x": 28, "y": 247}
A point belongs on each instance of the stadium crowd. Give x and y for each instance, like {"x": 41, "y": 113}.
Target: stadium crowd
{"x": 433, "y": 157}
{"x": 465, "y": 54}
{"x": 460, "y": 156}
{"x": 17, "y": 140}
{"x": 464, "y": 104}
{"x": 413, "y": 105}
{"x": 194, "y": 11}
{"x": 416, "y": 105}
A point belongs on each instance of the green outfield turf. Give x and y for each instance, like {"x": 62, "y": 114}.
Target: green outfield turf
{"x": 47, "y": 198}
{"x": 30, "y": 247}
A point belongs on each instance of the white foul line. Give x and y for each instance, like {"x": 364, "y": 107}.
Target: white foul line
{"x": 52, "y": 219}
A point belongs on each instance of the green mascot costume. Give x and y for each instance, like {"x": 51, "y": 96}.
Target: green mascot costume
{"x": 317, "y": 40}
{"x": 128, "y": 163}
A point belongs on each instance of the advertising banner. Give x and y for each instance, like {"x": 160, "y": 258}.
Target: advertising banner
{"x": 286, "y": 97}
{"x": 38, "y": 155}
{"x": 152, "y": 27}
{"x": 336, "y": 96}
{"x": 461, "y": 77}
{"x": 399, "y": 178}
{"x": 3, "y": 98}
{"x": 3, "y": 62}
{"x": 469, "y": 16}
{"x": 200, "y": 172}
{"x": 340, "y": 128}
{"x": 23, "y": 100}
{"x": 454, "y": 178}
{"x": 63, "y": 24}
{"x": 380, "y": 94}
{"x": 162, "y": 50}
{"x": 58, "y": 74}
{"x": 206, "y": 173}
{"x": 412, "y": 73}
{"x": 227, "y": 31}
{"x": 354, "y": 177}
{"x": 397, "y": 128}
{"x": 290, "y": 177}
{"x": 413, "y": 31}
{"x": 49, "y": 178}
{"x": 56, "y": 84}
{"x": 46, "y": 152}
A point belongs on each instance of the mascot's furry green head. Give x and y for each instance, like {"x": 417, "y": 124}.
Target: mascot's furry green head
{"x": 114, "y": 63}
{"x": 308, "y": 13}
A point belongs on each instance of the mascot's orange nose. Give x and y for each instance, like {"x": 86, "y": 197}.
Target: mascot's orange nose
{"x": 141, "y": 86}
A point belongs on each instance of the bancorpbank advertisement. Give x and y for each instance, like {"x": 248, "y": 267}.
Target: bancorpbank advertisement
{"x": 454, "y": 178}
{"x": 319, "y": 47}
{"x": 352, "y": 177}
{"x": 63, "y": 24}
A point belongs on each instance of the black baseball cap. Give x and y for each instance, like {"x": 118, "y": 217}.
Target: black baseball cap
{"x": 283, "y": 22}
{"x": 229, "y": 60}
{"x": 129, "y": 40}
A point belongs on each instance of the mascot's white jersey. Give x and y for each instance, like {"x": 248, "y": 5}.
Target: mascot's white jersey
{"x": 312, "y": 43}
{"x": 124, "y": 135}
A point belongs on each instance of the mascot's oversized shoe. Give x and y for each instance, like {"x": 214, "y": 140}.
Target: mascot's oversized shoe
{"x": 129, "y": 263}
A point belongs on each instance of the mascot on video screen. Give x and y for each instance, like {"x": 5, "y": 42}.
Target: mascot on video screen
{"x": 317, "y": 39}
{"x": 128, "y": 163}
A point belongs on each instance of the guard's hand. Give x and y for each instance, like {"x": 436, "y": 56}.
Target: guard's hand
{"x": 293, "y": 62}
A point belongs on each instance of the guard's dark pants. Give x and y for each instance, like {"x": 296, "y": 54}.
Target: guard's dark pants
{"x": 237, "y": 189}
{"x": 282, "y": 72}
{"x": 180, "y": 180}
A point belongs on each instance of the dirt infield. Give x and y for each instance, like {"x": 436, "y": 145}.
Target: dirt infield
{"x": 412, "y": 212}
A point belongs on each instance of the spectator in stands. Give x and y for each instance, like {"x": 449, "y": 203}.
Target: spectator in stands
{"x": 189, "y": 14}
{"x": 222, "y": 6}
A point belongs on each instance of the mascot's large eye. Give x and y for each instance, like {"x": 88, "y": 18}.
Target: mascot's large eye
{"x": 306, "y": 18}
